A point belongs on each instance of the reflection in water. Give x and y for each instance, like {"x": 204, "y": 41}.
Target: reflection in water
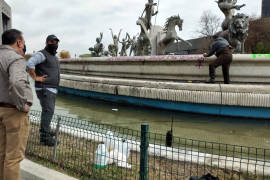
{"x": 238, "y": 131}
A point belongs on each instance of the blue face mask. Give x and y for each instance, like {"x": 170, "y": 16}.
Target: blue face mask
{"x": 24, "y": 49}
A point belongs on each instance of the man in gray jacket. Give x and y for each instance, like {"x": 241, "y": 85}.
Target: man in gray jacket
{"x": 15, "y": 101}
{"x": 44, "y": 69}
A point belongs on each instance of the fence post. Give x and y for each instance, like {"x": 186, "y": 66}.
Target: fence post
{"x": 56, "y": 137}
{"x": 144, "y": 151}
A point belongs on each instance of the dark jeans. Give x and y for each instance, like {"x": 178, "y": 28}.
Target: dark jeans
{"x": 47, "y": 102}
{"x": 224, "y": 60}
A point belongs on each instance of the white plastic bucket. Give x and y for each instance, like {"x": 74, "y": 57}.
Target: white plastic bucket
{"x": 101, "y": 158}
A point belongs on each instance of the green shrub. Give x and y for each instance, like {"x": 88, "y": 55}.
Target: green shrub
{"x": 262, "y": 48}
{"x": 85, "y": 55}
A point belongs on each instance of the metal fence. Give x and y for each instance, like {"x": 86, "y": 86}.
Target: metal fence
{"x": 131, "y": 154}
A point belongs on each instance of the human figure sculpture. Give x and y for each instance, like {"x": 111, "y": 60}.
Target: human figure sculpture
{"x": 113, "y": 48}
{"x": 228, "y": 7}
{"x": 124, "y": 43}
{"x": 133, "y": 47}
{"x": 97, "y": 51}
{"x": 131, "y": 44}
{"x": 148, "y": 12}
{"x": 143, "y": 45}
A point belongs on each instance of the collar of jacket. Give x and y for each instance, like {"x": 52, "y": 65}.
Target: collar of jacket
{"x": 9, "y": 48}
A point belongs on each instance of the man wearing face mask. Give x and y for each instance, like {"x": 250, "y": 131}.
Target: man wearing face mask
{"x": 15, "y": 100}
{"x": 44, "y": 69}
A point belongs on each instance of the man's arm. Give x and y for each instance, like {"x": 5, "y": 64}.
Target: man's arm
{"x": 20, "y": 91}
{"x": 212, "y": 51}
{"x": 155, "y": 13}
{"x": 238, "y": 7}
{"x": 37, "y": 58}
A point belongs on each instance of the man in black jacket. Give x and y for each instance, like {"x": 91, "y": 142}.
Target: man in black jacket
{"x": 44, "y": 69}
{"x": 221, "y": 48}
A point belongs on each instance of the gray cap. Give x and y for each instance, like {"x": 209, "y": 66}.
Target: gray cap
{"x": 52, "y": 37}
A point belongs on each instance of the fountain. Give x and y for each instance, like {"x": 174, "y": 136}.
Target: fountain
{"x": 174, "y": 82}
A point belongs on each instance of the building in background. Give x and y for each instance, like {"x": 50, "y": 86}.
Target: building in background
{"x": 199, "y": 46}
{"x": 258, "y": 40}
{"x": 265, "y": 8}
{"x": 5, "y": 17}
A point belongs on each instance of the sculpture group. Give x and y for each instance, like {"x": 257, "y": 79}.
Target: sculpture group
{"x": 154, "y": 39}
{"x": 234, "y": 27}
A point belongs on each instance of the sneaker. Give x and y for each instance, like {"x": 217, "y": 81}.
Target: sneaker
{"x": 211, "y": 81}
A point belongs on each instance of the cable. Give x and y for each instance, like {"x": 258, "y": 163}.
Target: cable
{"x": 221, "y": 98}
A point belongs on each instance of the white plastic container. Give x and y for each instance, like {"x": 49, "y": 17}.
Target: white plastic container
{"x": 102, "y": 157}
{"x": 118, "y": 149}
{"x": 121, "y": 146}
{"x": 110, "y": 141}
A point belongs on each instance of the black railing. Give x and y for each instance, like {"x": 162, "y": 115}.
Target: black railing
{"x": 89, "y": 150}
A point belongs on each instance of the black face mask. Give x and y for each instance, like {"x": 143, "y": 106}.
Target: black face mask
{"x": 51, "y": 48}
{"x": 24, "y": 49}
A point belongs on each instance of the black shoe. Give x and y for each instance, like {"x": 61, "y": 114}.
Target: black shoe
{"x": 53, "y": 133}
{"x": 211, "y": 81}
{"x": 49, "y": 142}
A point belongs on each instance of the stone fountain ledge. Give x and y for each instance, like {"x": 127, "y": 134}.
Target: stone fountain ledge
{"x": 217, "y": 94}
{"x": 157, "y": 81}
{"x": 246, "y": 68}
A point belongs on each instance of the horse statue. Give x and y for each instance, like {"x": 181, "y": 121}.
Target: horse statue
{"x": 160, "y": 38}
{"x": 237, "y": 32}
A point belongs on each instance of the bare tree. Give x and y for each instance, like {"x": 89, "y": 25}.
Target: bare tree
{"x": 209, "y": 24}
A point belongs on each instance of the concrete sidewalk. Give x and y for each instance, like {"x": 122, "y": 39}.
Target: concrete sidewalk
{"x": 33, "y": 171}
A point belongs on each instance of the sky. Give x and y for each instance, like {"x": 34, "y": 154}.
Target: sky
{"x": 77, "y": 23}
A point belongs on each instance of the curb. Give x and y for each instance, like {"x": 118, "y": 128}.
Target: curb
{"x": 33, "y": 171}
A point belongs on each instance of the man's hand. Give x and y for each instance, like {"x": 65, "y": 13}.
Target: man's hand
{"x": 41, "y": 78}
{"x": 26, "y": 108}
{"x": 35, "y": 77}
{"x": 204, "y": 54}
